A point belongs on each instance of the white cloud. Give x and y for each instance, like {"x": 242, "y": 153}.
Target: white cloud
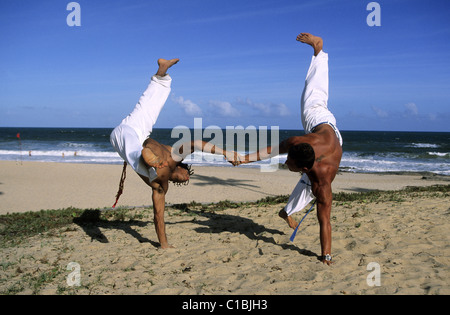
{"x": 268, "y": 109}
{"x": 432, "y": 116}
{"x": 379, "y": 112}
{"x": 224, "y": 109}
{"x": 263, "y": 108}
{"x": 282, "y": 109}
{"x": 411, "y": 109}
{"x": 190, "y": 108}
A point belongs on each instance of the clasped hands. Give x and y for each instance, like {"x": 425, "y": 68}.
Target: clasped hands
{"x": 235, "y": 158}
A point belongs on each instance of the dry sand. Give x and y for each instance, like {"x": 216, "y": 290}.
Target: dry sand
{"x": 243, "y": 250}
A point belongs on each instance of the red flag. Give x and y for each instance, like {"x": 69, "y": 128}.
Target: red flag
{"x": 18, "y": 135}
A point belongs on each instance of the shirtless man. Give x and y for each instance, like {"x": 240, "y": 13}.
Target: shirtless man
{"x": 155, "y": 163}
{"x": 317, "y": 154}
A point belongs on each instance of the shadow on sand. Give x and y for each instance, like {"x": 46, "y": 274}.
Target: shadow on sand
{"x": 219, "y": 223}
{"x": 91, "y": 223}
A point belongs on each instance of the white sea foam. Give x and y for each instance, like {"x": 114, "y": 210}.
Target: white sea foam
{"x": 437, "y": 162}
{"x": 440, "y": 154}
{"x": 423, "y": 145}
{"x": 355, "y": 163}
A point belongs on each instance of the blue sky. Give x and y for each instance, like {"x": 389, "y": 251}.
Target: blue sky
{"x": 240, "y": 63}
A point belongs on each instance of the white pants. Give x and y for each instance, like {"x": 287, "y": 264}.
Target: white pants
{"x": 314, "y": 112}
{"x": 128, "y": 138}
{"x": 300, "y": 197}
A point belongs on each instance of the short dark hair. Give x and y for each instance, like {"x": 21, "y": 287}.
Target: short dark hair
{"x": 186, "y": 167}
{"x": 303, "y": 155}
{"x": 190, "y": 171}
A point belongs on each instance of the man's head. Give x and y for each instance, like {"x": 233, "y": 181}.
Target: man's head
{"x": 181, "y": 174}
{"x": 300, "y": 157}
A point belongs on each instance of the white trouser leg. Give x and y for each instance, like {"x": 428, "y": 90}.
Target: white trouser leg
{"x": 314, "y": 100}
{"x": 300, "y": 197}
{"x": 146, "y": 112}
{"x": 314, "y": 109}
{"x": 128, "y": 137}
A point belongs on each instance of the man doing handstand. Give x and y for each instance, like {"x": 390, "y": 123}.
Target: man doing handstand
{"x": 317, "y": 154}
{"x": 155, "y": 163}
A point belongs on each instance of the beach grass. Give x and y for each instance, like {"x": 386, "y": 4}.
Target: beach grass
{"x": 15, "y": 227}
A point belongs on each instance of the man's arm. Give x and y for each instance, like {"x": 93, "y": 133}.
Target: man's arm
{"x": 262, "y": 154}
{"x": 159, "y": 201}
{"x": 180, "y": 152}
{"x": 324, "y": 200}
{"x": 268, "y": 152}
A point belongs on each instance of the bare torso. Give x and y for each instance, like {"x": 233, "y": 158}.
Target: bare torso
{"x": 163, "y": 154}
{"x": 328, "y": 154}
{"x": 328, "y": 157}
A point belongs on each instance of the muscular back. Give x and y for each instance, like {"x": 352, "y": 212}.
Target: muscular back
{"x": 328, "y": 154}
{"x": 163, "y": 152}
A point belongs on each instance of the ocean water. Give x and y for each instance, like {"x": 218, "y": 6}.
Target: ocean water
{"x": 364, "y": 151}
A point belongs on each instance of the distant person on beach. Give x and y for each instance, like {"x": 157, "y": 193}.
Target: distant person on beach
{"x": 317, "y": 154}
{"x": 155, "y": 163}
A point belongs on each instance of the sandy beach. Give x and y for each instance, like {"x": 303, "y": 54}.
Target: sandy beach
{"x": 242, "y": 249}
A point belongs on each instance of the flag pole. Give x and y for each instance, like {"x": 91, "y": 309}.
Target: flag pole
{"x": 20, "y": 147}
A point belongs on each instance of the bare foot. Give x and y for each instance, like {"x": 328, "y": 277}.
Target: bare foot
{"x": 164, "y": 65}
{"x": 291, "y": 222}
{"x": 314, "y": 41}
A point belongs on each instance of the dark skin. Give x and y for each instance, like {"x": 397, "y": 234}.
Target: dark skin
{"x": 166, "y": 160}
{"x": 328, "y": 154}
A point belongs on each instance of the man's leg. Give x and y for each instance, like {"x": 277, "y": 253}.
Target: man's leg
{"x": 164, "y": 65}
{"x": 314, "y": 41}
{"x": 315, "y": 93}
{"x": 289, "y": 220}
{"x": 301, "y": 196}
{"x": 147, "y": 110}
{"x": 128, "y": 137}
